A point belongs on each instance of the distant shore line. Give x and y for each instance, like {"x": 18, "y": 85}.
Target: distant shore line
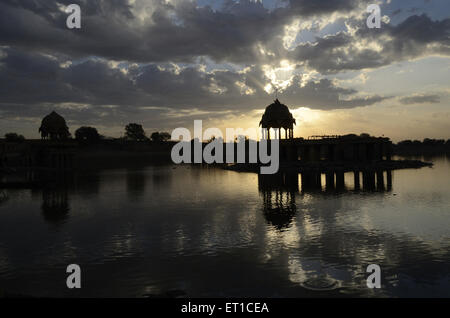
{"x": 324, "y": 166}
{"x": 125, "y": 154}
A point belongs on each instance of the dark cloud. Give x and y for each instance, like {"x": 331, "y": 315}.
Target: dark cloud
{"x": 420, "y": 99}
{"x": 371, "y": 48}
{"x": 395, "y": 12}
{"x": 170, "y": 32}
{"x": 307, "y": 7}
{"x": 182, "y": 31}
{"x": 112, "y": 30}
{"x": 31, "y": 78}
{"x": 324, "y": 94}
{"x": 422, "y": 29}
{"x": 336, "y": 53}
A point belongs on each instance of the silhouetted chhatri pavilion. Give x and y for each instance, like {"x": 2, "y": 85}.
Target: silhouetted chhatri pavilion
{"x": 348, "y": 148}
{"x": 57, "y": 153}
{"x": 54, "y": 127}
{"x": 278, "y": 116}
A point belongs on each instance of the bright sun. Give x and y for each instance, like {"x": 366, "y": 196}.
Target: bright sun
{"x": 279, "y": 77}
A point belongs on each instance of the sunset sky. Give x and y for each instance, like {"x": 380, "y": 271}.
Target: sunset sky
{"x": 166, "y": 63}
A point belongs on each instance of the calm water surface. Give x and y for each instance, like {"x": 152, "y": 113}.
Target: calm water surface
{"x": 210, "y": 232}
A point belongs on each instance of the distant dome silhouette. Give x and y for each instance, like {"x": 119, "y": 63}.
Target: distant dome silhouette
{"x": 278, "y": 116}
{"x": 54, "y": 126}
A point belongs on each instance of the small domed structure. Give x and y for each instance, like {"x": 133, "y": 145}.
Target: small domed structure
{"x": 277, "y": 115}
{"x": 54, "y": 126}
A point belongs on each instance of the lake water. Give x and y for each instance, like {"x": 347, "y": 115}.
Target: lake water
{"x": 163, "y": 230}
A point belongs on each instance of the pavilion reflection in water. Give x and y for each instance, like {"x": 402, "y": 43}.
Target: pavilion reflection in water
{"x": 55, "y": 205}
{"x": 279, "y": 190}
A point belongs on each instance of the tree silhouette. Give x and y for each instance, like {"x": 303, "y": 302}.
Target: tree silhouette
{"x": 14, "y": 137}
{"x": 87, "y": 134}
{"x": 160, "y": 136}
{"x": 135, "y": 131}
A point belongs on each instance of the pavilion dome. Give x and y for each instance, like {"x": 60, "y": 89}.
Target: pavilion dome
{"x": 54, "y": 126}
{"x": 277, "y": 115}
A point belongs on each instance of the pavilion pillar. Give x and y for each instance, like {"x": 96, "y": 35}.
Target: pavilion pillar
{"x": 389, "y": 180}
{"x": 380, "y": 180}
{"x": 369, "y": 180}
{"x": 329, "y": 180}
{"x": 356, "y": 180}
{"x": 340, "y": 183}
